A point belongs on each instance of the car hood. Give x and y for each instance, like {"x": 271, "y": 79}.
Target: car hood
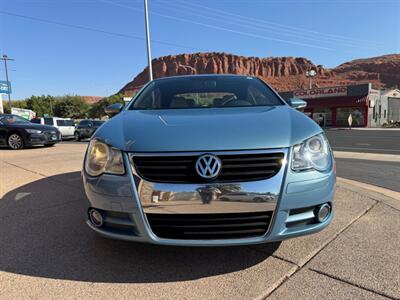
{"x": 207, "y": 129}
{"x": 32, "y": 126}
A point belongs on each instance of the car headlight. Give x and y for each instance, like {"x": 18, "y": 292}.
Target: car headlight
{"x": 314, "y": 153}
{"x": 101, "y": 158}
{"x": 33, "y": 131}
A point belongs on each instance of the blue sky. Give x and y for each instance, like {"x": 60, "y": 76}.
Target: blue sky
{"x": 97, "y": 46}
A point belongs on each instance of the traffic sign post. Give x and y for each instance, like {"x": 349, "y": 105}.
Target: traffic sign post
{"x": 1, "y": 104}
{"x": 350, "y": 120}
{"x": 5, "y": 87}
{"x": 5, "y": 58}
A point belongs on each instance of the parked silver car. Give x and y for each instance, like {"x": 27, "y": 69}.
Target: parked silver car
{"x": 161, "y": 170}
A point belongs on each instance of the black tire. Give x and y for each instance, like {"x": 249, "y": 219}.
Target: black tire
{"x": 15, "y": 141}
{"x": 258, "y": 199}
{"x": 49, "y": 145}
{"x": 77, "y": 136}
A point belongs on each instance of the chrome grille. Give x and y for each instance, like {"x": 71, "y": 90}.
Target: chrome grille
{"x": 235, "y": 167}
{"x": 209, "y": 226}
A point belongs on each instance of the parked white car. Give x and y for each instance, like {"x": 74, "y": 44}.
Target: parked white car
{"x": 65, "y": 126}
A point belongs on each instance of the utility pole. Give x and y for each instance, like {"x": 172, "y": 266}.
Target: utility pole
{"x": 146, "y": 18}
{"x": 5, "y": 59}
{"x": 51, "y": 108}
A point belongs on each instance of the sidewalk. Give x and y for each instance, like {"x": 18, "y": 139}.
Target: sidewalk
{"x": 361, "y": 128}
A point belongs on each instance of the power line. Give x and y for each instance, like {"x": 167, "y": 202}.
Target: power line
{"x": 224, "y": 28}
{"x": 80, "y": 27}
{"x": 268, "y": 28}
{"x": 283, "y": 26}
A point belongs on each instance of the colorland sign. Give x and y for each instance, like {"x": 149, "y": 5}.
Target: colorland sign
{"x": 321, "y": 92}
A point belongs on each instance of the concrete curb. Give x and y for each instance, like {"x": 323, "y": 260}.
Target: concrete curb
{"x": 380, "y": 194}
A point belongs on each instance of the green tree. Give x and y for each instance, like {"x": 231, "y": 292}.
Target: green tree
{"x": 97, "y": 109}
{"x": 70, "y": 106}
{"x": 6, "y": 107}
{"x": 19, "y": 104}
{"x": 42, "y": 105}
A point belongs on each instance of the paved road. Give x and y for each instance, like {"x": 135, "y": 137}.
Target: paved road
{"x": 373, "y": 141}
{"x": 384, "y": 174}
{"x": 381, "y": 173}
{"x": 48, "y": 252}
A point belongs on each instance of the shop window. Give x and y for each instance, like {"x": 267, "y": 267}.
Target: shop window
{"x": 357, "y": 114}
{"x": 323, "y": 116}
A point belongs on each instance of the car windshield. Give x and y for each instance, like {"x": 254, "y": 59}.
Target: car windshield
{"x": 65, "y": 123}
{"x": 205, "y": 92}
{"x": 13, "y": 119}
{"x": 97, "y": 123}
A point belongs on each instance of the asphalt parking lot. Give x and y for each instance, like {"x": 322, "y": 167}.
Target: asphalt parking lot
{"x": 365, "y": 140}
{"x": 48, "y": 252}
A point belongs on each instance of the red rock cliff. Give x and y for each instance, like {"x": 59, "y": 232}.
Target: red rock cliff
{"x": 283, "y": 73}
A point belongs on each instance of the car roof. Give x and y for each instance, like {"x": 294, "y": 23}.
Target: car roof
{"x": 11, "y": 115}
{"x": 55, "y": 118}
{"x": 205, "y": 75}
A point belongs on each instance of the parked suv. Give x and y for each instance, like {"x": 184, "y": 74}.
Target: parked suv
{"x": 65, "y": 126}
{"x": 86, "y": 128}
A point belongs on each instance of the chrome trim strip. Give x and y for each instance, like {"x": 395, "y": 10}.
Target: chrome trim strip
{"x": 301, "y": 217}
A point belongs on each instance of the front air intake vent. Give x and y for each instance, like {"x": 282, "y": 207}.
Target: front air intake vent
{"x": 209, "y": 226}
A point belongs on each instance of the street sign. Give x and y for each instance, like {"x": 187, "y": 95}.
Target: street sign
{"x": 5, "y": 87}
{"x": 1, "y": 104}
{"x": 350, "y": 120}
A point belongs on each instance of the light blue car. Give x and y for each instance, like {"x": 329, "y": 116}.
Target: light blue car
{"x": 164, "y": 168}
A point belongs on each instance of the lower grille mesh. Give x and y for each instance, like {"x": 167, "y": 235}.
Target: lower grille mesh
{"x": 209, "y": 226}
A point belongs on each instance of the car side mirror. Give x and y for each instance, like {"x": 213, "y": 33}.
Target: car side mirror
{"x": 297, "y": 103}
{"x": 113, "y": 109}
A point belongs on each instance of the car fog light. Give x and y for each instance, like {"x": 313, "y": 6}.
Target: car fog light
{"x": 323, "y": 212}
{"x": 95, "y": 218}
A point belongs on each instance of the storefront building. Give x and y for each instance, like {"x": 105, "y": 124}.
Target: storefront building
{"x": 332, "y": 106}
{"x": 393, "y": 99}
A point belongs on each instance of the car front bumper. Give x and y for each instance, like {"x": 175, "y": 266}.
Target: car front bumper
{"x": 43, "y": 138}
{"x": 292, "y": 200}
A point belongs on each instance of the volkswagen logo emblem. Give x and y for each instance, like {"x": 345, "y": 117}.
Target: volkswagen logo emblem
{"x": 208, "y": 166}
